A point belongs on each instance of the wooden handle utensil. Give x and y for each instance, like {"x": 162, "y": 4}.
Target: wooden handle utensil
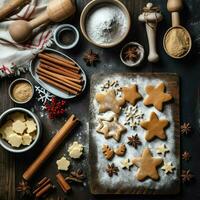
{"x": 57, "y": 11}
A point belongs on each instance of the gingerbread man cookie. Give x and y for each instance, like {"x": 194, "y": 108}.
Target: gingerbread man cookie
{"x": 108, "y": 102}
{"x": 147, "y": 165}
{"x": 131, "y": 94}
{"x": 156, "y": 96}
{"x": 154, "y": 127}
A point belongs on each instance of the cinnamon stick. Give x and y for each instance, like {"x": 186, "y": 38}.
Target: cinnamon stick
{"x": 51, "y": 147}
{"x": 59, "y": 58}
{"x": 59, "y": 79}
{"x": 57, "y": 61}
{"x": 42, "y": 185}
{"x": 63, "y": 184}
{"x": 58, "y": 85}
{"x": 56, "y": 69}
{"x": 44, "y": 190}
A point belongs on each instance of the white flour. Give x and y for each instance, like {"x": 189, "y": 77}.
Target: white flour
{"x": 105, "y": 24}
{"x": 126, "y": 178}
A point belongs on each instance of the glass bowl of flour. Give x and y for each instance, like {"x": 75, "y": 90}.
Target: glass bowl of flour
{"x": 105, "y": 23}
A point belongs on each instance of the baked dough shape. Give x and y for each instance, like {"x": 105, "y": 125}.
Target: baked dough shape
{"x": 111, "y": 128}
{"x": 120, "y": 150}
{"x": 126, "y": 164}
{"x": 162, "y": 149}
{"x": 26, "y": 139}
{"x": 108, "y": 102}
{"x": 75, "y": 150}
{"x": 31, "y": 126}
{"x": 15, "y": 140}
{"x": 63, "y": 164}
{"x": 156, "y": 96}
{"x": 18, "y": 116}
{"x": 19, "y": 127}
{"x": 131, "y": 94}
{"x": 168, "y": 167}
{"x": 147, "y": 165}
{"x": 155, "y": 127}
{"x": 107, "y": 152}
{"x": 6, "y": 130}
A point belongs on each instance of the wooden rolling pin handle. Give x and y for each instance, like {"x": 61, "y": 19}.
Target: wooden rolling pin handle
{"x": 151, "y": 34}
{"x": 51, "y": 147}
{"x": 41, "y": 19}
{"x": 9, "y": 7}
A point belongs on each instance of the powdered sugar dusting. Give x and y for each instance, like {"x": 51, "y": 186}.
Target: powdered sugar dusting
{"x": 127, "y": 178}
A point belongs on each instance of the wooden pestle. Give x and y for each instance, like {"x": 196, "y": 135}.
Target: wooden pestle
{"x": 56, "y": 11}
{"x": 10, "y": 7}
{"x": 151, "y": 16}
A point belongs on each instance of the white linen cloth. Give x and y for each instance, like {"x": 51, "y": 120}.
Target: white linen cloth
{"x": 15, "y": 58}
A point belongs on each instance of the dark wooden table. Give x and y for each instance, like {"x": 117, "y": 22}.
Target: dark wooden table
{"x": 12, "y": 166}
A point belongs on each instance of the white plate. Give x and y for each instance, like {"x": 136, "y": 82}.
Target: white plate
{"x": 65, "y": 95}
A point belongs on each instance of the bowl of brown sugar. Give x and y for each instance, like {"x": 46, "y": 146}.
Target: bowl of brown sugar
{"x": 21, "y": 91}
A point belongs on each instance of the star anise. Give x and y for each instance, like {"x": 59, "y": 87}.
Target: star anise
{"x": 132, "y": 54}
{"x": 134, "y": 140}
{"x": 185, "y": 128}
{"x": 90, "y": 58}
{"x": 186, "y": 176}
{"x": 112, "y": 169}
{"x": 24, "y": 190}
{"x": 76, "y": 176}
{"x": 186, "y": 156}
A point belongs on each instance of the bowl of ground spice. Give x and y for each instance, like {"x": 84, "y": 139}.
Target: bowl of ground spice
{"x": 21, "y": 91}
{"x": 105, "y": 23}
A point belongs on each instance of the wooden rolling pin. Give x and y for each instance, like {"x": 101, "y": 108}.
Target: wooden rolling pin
{"x": 51, "y": 147}
{"x": 56, "y": 11}
{"x": 10, "y": 7}
{"x": 151, "y": 16}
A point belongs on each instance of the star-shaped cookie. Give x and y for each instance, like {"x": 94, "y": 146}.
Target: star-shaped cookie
{"x": 126, "y": 164}
{"x": 168, "y": 167}
{"x": 108, "y": 102}
{"x": 156, "y": 96}
{"x": 111, "y": 128}
{"x": 147, "y": 165}
{"x": 162, "y": 149}
{"x": 131, "y": 94}
{"x": 154, "y": 127}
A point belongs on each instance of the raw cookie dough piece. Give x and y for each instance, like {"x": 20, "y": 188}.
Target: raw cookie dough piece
{"x": 156, "y": 96}
{"x": 75, "y": 150}
{"x": 15, "y": 140}
{"x": 19, "y": 127}
{"x": 121, "y": 150}
{"x": 26, "y": 139}
{"x": 31, "y": 125}
{"x": 147, "y": 165}
{"x": 108, "y": 152}
{"x": 154, "y": 127}
{"x": 108, "y": 102}
{"x": 126, "y": 164}
{"x": 162, "y": 149}
{"x": 131, "y": 94}
{"x": 6, "y": 129}
{"x": 111, "y": 128}
{"x": 17, "y": 116}
{"x": 63, "y": 164}
{"x": 168, "y": 167}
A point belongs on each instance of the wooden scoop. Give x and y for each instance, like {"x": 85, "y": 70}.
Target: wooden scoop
{"x": 57, "y": 11}
{"x": 175, "y": 6}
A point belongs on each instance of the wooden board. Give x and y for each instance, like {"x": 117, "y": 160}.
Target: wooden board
{"x": 172, "y": 83}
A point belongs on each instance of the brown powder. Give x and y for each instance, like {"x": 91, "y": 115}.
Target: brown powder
{"x": 22, "y": 91}
{"x": 177, "y": 42}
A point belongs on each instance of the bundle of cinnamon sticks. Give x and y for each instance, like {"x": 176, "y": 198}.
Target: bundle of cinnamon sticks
{"x": 59, "y": 72}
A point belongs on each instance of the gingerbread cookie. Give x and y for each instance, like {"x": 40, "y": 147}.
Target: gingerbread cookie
{"x": 156, "y": 96}
{"x": 111, "y": 128}
{"x": 154, "y": 127}
{"x": 121, "y": 150}
{"x": 147, "y": 165}
{"x": 131, "y": 94}
{"x": 108, "y": 102}
{"x": 108, "y": 152}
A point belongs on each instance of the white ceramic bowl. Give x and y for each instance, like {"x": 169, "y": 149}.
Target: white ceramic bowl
{"x": 21, "y": 149}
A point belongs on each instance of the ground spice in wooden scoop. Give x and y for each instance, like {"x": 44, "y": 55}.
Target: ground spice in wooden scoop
{"x": 177, "y": 42}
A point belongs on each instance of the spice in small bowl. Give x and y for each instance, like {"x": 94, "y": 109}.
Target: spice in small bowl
{"x": 21, "y": 91}
{"x": 132, "y": 54}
